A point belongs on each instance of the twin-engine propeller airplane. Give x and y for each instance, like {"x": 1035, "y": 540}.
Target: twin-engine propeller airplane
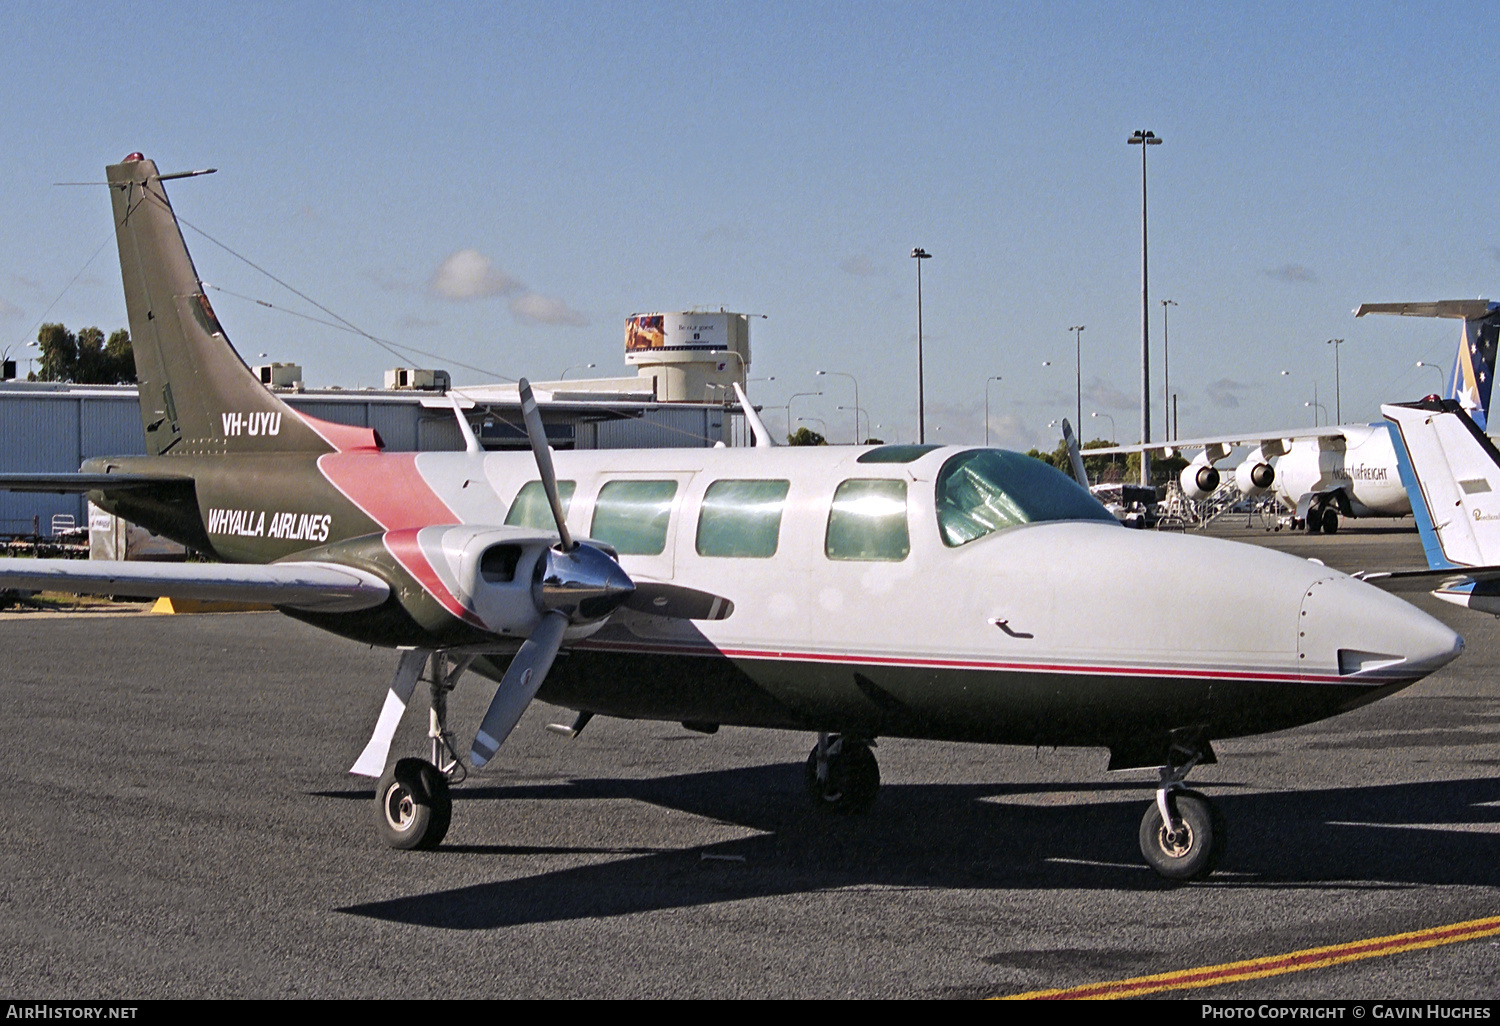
{"x": 1349, "y": 470}
{"x": 854, "y": 592}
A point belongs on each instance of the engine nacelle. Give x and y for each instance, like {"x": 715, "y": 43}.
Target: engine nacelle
{"x": 1199, "y": 480}
{"x": 1254, "y": 476}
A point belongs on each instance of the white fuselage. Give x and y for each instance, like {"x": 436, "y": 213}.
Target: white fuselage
{"x": 1362, "y": 466}
{"x": 982, "y": 639}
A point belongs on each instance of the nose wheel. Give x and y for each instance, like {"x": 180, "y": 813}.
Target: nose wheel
{"x": 1187, "y": 847}
{"x": 412, "y": 805}
{"x": 842, "y": 775}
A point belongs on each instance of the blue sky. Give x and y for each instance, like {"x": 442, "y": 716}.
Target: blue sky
{"x": 569, "y": 164}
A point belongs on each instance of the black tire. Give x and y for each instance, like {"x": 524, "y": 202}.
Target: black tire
{"x": 1194, "y": 852}
{"x": 412, "y": 806}
{"x": 852, "y": 784}
{"x": 1314, "y": 520}
{"x": 1331, "y": 520}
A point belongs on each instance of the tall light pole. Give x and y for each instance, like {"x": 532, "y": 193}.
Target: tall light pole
{"x": 1338, "y": 410}
{"x": 1166, "y": 374}
{"x": 992, "y": 377}
{"x": 1077, "y": 331}
{"x": 1442, "y": 374}
{"x": 919, "y": 254}
{"x": 851, "y": 377}
{"x": 1113, "y": 431}
{"x": 1144, "y": 139}
{"x": 858, "y": 412}
{"x": 796, "y": 395}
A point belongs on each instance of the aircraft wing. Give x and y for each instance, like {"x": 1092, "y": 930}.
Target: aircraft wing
{"x": 1272, "y": 443}
{"x": 73, "y": 484}
{"x": 312, "y": 586}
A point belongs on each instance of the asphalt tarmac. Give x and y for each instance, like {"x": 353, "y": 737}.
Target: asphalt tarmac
{"x": 179, "y": 823}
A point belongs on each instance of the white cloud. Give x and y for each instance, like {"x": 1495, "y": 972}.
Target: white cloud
{"x": 468, "y": 274}
{"x": 546, "y": 310}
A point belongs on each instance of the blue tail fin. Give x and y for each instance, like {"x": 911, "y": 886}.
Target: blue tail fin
{"x": 1474, "y": 366}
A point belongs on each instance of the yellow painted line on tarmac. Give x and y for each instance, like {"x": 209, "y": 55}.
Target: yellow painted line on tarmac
{"x": 1272, "y": 965}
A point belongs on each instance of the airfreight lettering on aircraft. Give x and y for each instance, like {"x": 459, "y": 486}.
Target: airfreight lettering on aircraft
{"x": 1361, "y": 472}
{"x": 251, "y": 424}
{"x": 249, "y": 523}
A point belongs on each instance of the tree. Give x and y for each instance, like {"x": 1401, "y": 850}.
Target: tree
{"x": 85, "y": 358}
{"x": 805, "y": 436}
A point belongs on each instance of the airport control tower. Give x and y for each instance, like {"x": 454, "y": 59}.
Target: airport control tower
{"x": 693, "y": 356}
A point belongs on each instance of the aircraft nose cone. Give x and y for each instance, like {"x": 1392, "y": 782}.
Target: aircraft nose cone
{"x": 1355, "y": 631}
{"x": 586, "y": 584}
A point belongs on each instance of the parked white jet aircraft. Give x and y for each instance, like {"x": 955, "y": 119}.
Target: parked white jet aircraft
{"x": 854, "y": 593}
{"x": 1348, "y": 469}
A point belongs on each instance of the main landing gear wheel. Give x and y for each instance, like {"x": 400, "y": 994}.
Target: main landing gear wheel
{"x": 412, "y": 805}
{"x": 1331, "y": 520}
{"x": 852, "y": 779}
{"x": 1191, "y": 851}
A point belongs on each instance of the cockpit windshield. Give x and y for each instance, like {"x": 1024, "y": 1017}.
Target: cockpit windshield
{"x": 983, "y": 490}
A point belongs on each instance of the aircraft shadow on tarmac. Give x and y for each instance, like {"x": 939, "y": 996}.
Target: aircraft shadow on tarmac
{"x": 949, "y": 836}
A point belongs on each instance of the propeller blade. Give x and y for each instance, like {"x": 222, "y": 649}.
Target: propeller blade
{"x": 537, "y": 435}
{"x": 677, "y": 602}
{"x": 527, "y": 671}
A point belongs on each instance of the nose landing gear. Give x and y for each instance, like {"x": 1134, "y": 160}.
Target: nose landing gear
{"x": 1182, "y": 833}
{"x": 842, "y": 775}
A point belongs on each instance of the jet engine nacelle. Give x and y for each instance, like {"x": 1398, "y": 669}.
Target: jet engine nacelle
{"x": 1199, "y": 480}
{"x": 1254, "y": 476}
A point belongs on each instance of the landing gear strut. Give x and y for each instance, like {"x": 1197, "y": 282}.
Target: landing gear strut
{"x": 412, "y": 805}
{"x": 1182, "y": 833}
{"x": 842, "y": 775}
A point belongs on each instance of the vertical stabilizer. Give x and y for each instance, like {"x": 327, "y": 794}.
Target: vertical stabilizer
{"x": 196, "y": 394}
{"x": 1473, "y": 375}
{"x": 1452, "y": 475}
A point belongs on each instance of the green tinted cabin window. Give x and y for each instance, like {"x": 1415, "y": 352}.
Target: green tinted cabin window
{"x": 896, "y": 453}
{"x": 531, "y": 508}
{"x": 741, "y": 518}
{"x": 985, "y": 490}
{"x": 868, "y": 521}
{"x": 633, "y": 516}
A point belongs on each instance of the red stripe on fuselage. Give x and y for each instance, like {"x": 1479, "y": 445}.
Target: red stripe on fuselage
{"x": 919, "y": 662}
{"x": 343, "y": 437}
{"x": 388, "y": 487}
{"x": 391, "y": 491}
{"x": 403, "y": 547}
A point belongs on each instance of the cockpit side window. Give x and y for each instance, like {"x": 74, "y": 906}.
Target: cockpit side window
{"x": 633, "y": 516}
{"x": 741, "y": 518}
{"x": 986, "y": 490}
{"x": 531, "y": 508}
{"x": 868, "y": 521}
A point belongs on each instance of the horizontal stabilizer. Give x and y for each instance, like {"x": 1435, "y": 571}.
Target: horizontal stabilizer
{"x": 1464, "y": 309}
{"x": 75, "y": 484}
{"x": 315, "y": 587}
{"x": 1432, "y": 579}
